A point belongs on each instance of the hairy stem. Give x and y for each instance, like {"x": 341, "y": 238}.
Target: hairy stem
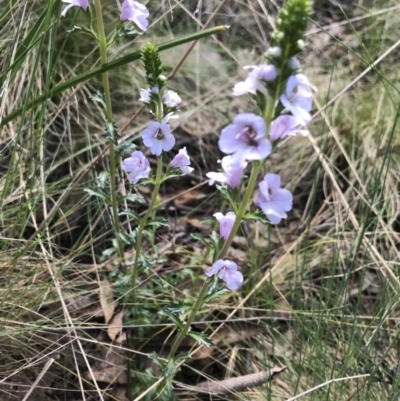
{"x": 143, "y": 224}
{"x": 109, "y": 116}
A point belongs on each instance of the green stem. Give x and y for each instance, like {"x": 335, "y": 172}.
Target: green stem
{"x": 239, "y": 216}
{"x": 101, "y": 69}
{"x": 143, "y": 224}
{"x": 107, "y": 94}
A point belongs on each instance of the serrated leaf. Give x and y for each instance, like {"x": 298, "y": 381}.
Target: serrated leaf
{"x": 98, "y": 98}
{"x": 218, "y": 293}
{"x": 174, "y": 318}
{"x": 102, "y": 179}
{"x": 112, "y": 132}
{"x": 97, "y": 192}
{"x": 229, "y": 194}
{"x": 178, "y": 307}
{"x": 130, "y": 213}
{"x": 126, "y": 238}
{"x": 135, "y": 198}
{"x": 201, "y": 338}
{"x": 81, "y": 29}
{"x": 257, "y": 216}
{"x": 216, "y": 242}
{"x": 199, "y": 237}
{"x": 157, "y": 222}
{"x": 128, "y": 32}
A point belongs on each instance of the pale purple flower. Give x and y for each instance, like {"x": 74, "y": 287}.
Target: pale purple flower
{"x": 256, "y": 79}
{"x": 137, "y": 166}
{"x": 227, "y": 271}
{"x": 245, "y": 138}
{"x": 84, "y": 4}
{"x": 272, "y": 199}
{"x": 157, "y": 136}
{"x": 182, "y": 161}
{"x": 297, "y": 97}
{"x": 232, "y": 174}
{"x": 171, "y": 99}
{"x": 134, "y": 11}
{"x": 285, "y": 125}
{"x": 225, "y": 223}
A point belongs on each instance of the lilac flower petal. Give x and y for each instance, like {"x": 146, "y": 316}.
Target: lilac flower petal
{"x": 260, "y": 152}
{"x": 273, "y": 180}
{"x": 225, "y": 223}
{"x": 233, "y": 280}
{"x": 182, "y": 161}
{"x": 137, "y": 166}
{"x": 216, "y": 267}
{"x": 171, "y": 99}
{"x": 84, "y": 4}
{"x": 282, "y": 127}
{"x": 135, "y": 12}
{"x": 273, "y": 200}
{"x": 149, "y": 134}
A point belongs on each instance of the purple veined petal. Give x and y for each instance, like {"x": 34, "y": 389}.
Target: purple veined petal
{"x": 259, "y": 152}
{"x": 257, "y": 123}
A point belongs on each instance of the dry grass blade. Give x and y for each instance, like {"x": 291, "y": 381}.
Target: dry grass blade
{"x": 239, "y": 383}
{"x": 42, "y": 373}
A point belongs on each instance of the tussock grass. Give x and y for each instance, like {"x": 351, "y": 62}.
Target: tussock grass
{"x": 322, "y": 290}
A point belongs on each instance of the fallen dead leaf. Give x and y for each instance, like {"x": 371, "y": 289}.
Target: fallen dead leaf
{"x": 115, "y": 325}
{"x": 111, "y": 369}
{"x": 107, "y": 301}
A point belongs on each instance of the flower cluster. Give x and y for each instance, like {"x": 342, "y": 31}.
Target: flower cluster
{"x": 251, "y": 138}
{"x": 158, "y": 135}
{"x": 131, "y": 10}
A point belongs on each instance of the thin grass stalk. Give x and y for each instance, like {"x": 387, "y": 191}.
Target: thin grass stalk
{"x": 109, "y": 116}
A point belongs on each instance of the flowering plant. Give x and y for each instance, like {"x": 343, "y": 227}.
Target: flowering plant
{"x": 283, "y": 96}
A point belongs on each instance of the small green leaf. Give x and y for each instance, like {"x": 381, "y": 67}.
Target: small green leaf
{"x": 216, "y": 293}
{"x": 126, "y": 238}
{"x": 229, "y": 194}
{"x": 201, "y": 338}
